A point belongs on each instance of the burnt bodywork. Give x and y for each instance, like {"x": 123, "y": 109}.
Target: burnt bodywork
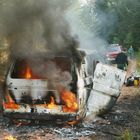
{"x": 59, "y": 88}
{"x": 32, "y": 83}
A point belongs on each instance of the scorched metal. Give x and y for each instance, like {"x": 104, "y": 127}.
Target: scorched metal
{"x": 57, "y": 87}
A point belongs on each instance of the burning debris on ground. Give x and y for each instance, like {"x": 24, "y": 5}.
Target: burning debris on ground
{"x": 49, "y": 129}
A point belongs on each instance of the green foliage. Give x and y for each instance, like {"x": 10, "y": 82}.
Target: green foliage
{"x": 128, "y": 26}
{"x": 126, "y": 135}
{"x": 118, "y": 21}
{"x": 129, "y": 39}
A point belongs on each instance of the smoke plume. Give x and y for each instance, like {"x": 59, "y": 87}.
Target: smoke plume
{"x": 93, "y": 24}
{"x": 34, "y": 26}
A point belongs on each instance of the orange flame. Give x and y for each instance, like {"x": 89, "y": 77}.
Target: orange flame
{"x": 52, "y": 104}
{"x": 28, "y": 74}
{"x": 10, "y": 104}
{"x": 70, "y": 101}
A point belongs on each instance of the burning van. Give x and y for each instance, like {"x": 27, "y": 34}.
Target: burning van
{"x": 60, "y": 87}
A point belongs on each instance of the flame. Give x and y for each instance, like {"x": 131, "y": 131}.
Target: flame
{"x": 28, "y": 74}
{"x": 70, "y": 101}
{"x": 10, "y": 137}
{"x": 10, "y": 104}
{"x": 9, "y": 99}
{"x": 52, "y": 104}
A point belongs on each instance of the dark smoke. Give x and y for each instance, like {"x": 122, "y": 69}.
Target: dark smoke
{"x": 35, "y": 26}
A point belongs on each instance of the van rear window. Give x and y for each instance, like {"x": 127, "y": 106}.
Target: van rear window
{"x": 40, "y": 68}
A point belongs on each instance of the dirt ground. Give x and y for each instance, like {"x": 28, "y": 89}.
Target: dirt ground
{"x": 121, "y": 123}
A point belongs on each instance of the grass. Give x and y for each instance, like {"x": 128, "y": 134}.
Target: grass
{"x": 128, "y": 135}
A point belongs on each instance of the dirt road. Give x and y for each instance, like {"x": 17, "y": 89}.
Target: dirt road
{"x": 123, "y": 121}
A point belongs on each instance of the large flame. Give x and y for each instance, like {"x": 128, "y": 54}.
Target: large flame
{"x": 69, "y": 100}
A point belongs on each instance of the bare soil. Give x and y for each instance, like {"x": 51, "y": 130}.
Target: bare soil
{"x": 121, "y": 123}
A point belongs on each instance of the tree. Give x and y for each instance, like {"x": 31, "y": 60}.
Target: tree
{"x": 116, "y": 21}
{"x": 128, "y": 25}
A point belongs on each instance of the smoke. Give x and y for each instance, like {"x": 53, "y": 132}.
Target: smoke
{"x": 34, "y": 26}
{"x": 93, "y": 24}
{"x": 37, "y": 28}
{"x": 56, "y": 70}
